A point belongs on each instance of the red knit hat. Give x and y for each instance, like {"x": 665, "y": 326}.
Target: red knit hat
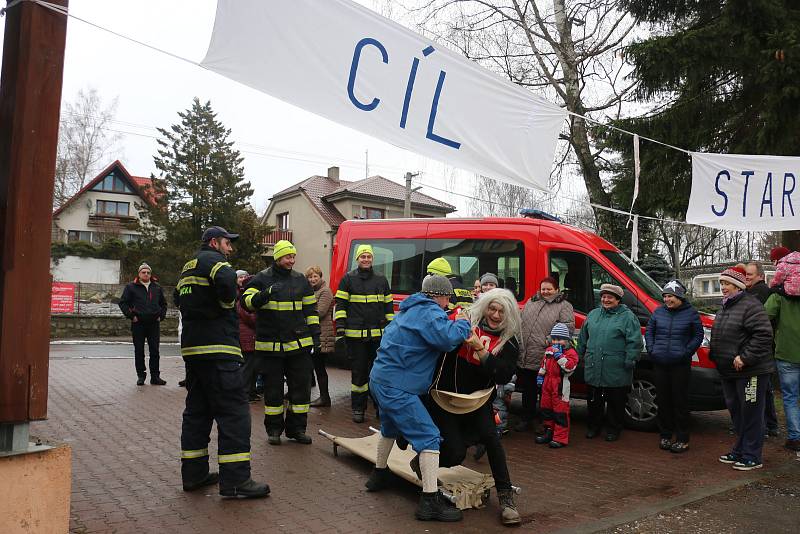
{"x": 735, "y": 276}
{"x": 778, "y": 252}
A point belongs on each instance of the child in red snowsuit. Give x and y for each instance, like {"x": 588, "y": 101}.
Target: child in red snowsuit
{"x": 559, "y": 361}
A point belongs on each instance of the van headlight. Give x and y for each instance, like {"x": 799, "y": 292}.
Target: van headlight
{"x": 706, "y": 337}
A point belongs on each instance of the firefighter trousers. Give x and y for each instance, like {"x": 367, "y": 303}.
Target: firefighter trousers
{"x": 215, "y": 392}
{"x": 296, "y": 367}
{"x": 361, "y": 353}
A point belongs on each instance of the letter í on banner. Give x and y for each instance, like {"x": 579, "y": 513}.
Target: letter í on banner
{"x": 346, "y": 63}
{"x": 745, "y": 193}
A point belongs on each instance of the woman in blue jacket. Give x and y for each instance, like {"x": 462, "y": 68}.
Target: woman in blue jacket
{"x": 673, "y": 335}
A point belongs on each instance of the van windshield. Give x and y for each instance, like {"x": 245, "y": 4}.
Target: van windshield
{"x": 634, "y": 272}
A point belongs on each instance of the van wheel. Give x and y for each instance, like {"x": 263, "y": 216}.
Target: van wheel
{"x": 641, "y": 409}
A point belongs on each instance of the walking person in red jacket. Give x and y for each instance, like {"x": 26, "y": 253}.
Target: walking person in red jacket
{"x": 247, "y": 338}
{"x": 559, "y": 362}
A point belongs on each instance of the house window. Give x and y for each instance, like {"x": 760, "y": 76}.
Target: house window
{"x": 79, "y": 235}
{"x": 112, "y": 184}
{"x": 372, "y": 213}
{"x": 282, "y": 221}
{"x": 126, "y": 238}
{"x": 706, "y": 287}
{"x": 109, "y": 207}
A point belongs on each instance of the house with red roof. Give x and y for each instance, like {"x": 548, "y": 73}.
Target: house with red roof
{"x": 309, "y": 212}
{"x": 107, "y": 206}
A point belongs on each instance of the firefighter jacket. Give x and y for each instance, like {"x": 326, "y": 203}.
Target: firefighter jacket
{"x": 363, "y": 305}
{"x": 286, "y": 311}
{"x": 462, "y": 297}
{"x": 206, "y": 294}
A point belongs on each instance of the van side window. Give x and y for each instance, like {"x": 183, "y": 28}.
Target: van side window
{"x": 399, "y": 260}
{"x": 571, "y": 271}
{"x": 470, "y": 258}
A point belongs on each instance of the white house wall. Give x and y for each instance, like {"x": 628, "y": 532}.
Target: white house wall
{"x": 85, "y": 270}
{"x": 76, "y": 215}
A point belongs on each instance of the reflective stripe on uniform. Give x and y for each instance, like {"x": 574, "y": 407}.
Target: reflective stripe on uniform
{"x": 359, "y": 389}
{"x": 374, "y": 332}
{"x": 299, "y": 408}
{"x": 217, "y": 266}
{"x": 273, "y": 410}
{"x": 369, "y": 298}
{"x": 227, "y": 305}
{"x": 277, "y": 346}
{"x": 312, "y": 319}
{"x": 389, "y": 316}
{"x": 236, "y": 457}
{"x": 340, "y": 314}
{"x": 388, "y": 298}
{"x": 344, "y": 295}
{"x": 211, "y": 349}
{"x": 283, "y": 305}
{"x": 193, "y": 280}
{"x": 248, "y": 295}
{"x": 310, "y": 299}
{"x": 198, "y": 453}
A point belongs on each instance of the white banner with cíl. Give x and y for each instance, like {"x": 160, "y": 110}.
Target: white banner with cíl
{"x": 344, "y": 62}
{"x": 746, "y": 193}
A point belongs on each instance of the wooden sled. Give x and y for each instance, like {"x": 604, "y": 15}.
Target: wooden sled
{"x": 464, "y": 487}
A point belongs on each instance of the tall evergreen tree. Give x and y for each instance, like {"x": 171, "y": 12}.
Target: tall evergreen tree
{"x": 725, "y": 77}
{"x": 201, "y": 184}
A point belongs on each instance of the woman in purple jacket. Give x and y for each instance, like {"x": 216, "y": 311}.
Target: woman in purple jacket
{"x": 673, "y": 335}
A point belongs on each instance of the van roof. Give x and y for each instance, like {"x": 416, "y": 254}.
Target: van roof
{"x": 588, "y": 238}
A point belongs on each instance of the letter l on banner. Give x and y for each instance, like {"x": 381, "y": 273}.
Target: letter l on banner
{"x": 344, "y": 62}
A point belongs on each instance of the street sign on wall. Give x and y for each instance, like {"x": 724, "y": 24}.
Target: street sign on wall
{"x": 62, "y": 299}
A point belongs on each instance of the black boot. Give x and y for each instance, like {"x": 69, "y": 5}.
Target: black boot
{"x": 379, "y": 479}
{"x": 209, "y": 480}
{"x": 155, "y": 379}
{"x": 140, "y": 382}
{"x": 182, "y": 383}
{"x": 433, "y": 506}
{"x": 300, "y": 437}
{"x": 248, "y": 489}
{"x": 358, "y": 416}
{"x": 547, "y": 437}
{"x": 322, "y": 401}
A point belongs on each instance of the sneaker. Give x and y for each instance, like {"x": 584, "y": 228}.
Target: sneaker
{"x": 508, "y": 510}
{"x": 665, "y": 444}
{"x": 379, "y": 479}
{"x": 434, "y": 506}
{"x": 274, "y": 439}
{"x": 611, "y": 436}
{"x": 679, "y": 447}
{"x": 545, "y": 438}
{"x": 729, "y": 458}
{"x": 792, "y": 444}
{"x": 747, "y": 465}
{"x": 249, "y": 489}
{"x": 209, "y": 480}
{"x": 556, "y": 445}
{"x": 300, "y": 437}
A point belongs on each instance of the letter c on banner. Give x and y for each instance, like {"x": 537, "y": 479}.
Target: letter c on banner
{"x": 351, "y": 81}
{"x": 721, "y": 193}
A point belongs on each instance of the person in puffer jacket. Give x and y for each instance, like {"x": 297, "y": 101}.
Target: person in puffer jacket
{"x": 741, "y": 347}
{"x": 673, "y": 335}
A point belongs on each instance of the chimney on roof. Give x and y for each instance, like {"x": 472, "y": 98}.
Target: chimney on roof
{"x": 333, "y": 174}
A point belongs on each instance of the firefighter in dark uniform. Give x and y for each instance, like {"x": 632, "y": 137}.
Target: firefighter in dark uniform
{"x": 214, "y": 385}
{"x": 363, "y": 309}
{"x": 462, "y": 297}
{"x": 287, "y": 328}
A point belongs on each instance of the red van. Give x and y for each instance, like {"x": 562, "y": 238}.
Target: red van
{"x": 522, "y": 251}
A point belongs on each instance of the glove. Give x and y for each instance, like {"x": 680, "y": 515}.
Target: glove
{"x": 562, "y": 362}
{"x": 539, "y": 380}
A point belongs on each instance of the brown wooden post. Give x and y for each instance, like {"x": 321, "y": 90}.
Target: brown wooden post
{"x": 30, "y": 100}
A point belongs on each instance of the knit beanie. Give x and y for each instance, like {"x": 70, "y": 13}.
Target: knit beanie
{"x": 241, "y": 272}
{"x": 560, "y": 331}
{"x": 440, "y": 266}
{"x": 674, "y": 287}
{"x": 437, "y": 285}
{"x": 778, "y": 252}
{"x": 735, "y": 276}
{"x": 144, "y": 266}
{"x": 362, "y": 249}
{"x": 283, "y": 248}
{"x": 489, "y": 278}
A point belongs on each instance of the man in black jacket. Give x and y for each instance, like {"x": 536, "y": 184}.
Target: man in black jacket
{"x": 215, "y": 389}
{"x": 144, "y": 304}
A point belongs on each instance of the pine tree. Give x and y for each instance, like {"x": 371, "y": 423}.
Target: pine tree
{"x": 201, "y": 184}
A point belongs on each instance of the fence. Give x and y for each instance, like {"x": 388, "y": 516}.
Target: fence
{"x": 79, "y": 298}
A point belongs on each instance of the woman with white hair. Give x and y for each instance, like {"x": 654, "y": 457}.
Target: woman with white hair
{"x": 465, "y": 384}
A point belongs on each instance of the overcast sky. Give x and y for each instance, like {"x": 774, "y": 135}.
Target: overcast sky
{"x": 281, "y": 144}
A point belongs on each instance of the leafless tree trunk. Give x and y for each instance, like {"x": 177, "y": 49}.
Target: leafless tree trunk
{"x": 499, "y": 199}
{"x": 565, "y": 49}
{"x": 84, "y": 142}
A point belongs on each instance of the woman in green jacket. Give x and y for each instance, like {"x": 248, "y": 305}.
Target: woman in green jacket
{"x": 610, "y": 342}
